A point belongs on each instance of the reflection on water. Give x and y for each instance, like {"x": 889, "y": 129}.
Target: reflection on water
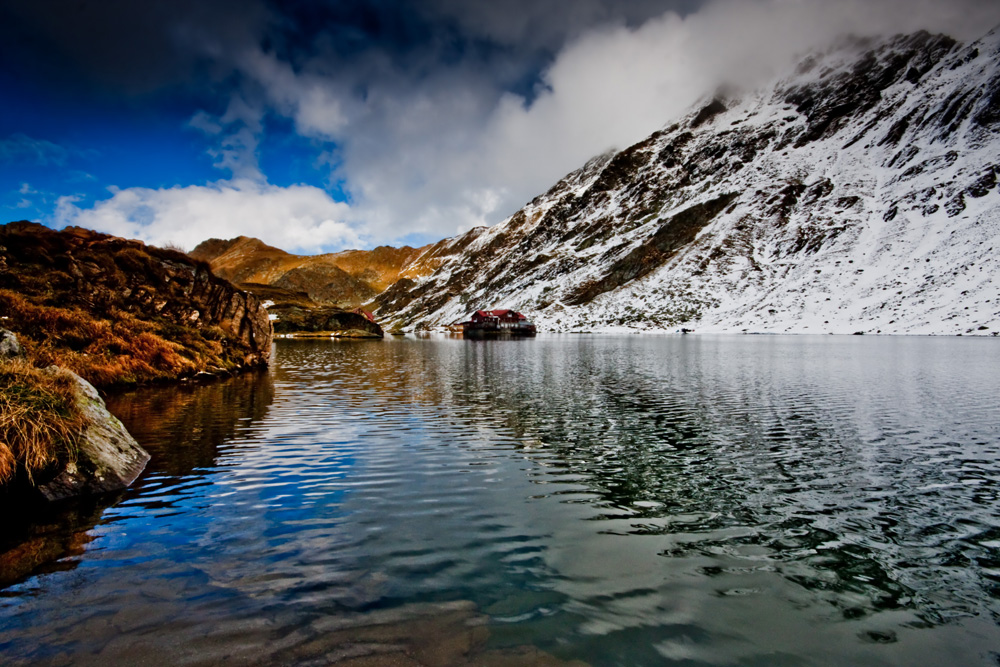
{"x": 620, "y": 500}
{"x": 185, "y": 426}
{"x": 45, "y": 539}
{"x": 182, "y": 426}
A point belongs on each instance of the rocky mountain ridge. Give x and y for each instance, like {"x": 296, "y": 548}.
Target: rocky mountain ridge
{"x": 345, "y": 279}
{"x": 857, "y": 193}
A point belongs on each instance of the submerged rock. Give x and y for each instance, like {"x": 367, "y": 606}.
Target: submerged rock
{"x": 107, "y": 458}
{"x": 417, "y": 635}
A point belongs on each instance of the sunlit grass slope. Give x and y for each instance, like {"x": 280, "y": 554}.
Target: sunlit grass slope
{"x": 120, "y": 313}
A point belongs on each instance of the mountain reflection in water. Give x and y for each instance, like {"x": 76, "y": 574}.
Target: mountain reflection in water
{"x": 620, "y": 500}
{"x": 189, "y": 425}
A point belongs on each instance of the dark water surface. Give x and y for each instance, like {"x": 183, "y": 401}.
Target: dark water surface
{"x": 618, "y": 500}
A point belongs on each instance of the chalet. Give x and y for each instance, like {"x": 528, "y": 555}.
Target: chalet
{"x": 364, "y": 313}
{"x": 501, "y": 321}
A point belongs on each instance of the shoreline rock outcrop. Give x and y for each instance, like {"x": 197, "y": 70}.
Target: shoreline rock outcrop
{"x": 102, "y": 456}
{"x": 297, "y": 321}
{"x": 107, "y": 456}
{"x": 119, "y": 312}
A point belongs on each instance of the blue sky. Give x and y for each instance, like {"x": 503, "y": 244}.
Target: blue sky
{"x": 55, "y": 146}
{"x": 323, "y": 125}
{"x": 62, "y": 146}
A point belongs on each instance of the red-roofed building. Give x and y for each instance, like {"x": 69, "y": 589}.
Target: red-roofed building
{"x": 498, "y": 321}
{"x": 364, "y": 313}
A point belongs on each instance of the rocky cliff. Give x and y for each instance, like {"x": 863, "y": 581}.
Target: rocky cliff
{"x": 857, "y": 192}
{"x": 119, "y": 312}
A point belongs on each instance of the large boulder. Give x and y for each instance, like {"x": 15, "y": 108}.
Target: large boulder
{"x": 10, "y": 348}
{"x": 108, "y": 457}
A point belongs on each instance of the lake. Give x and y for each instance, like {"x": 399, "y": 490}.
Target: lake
{"x": 616, "y": 500}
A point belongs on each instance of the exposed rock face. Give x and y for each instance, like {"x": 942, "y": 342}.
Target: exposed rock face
{"x": 857, "y": 193}
{"x": 108, "y": 458}
{"x": 327, "y": 285}
{"x": 79, "y": 296}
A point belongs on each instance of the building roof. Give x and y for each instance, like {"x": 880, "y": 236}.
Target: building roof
{"x": 509, "y": 313}
{"x": 500, "y": 313}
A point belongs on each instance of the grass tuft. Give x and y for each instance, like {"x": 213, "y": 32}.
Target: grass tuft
{"x": 39, "y": 421}
{"x": 120, "y": 313}
{"x": 119, "y": 351}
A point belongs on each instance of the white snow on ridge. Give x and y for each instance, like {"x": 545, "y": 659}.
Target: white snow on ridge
{"x": 883, "y": 218}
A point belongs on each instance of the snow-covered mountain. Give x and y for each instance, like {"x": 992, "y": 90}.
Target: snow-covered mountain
{"x": 856, "y": 193}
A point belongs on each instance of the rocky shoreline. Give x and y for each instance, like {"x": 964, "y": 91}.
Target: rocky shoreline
{"x": 85, "y": 312}
{"x": 120, "y": 313}
{"x": 101, "y": 456}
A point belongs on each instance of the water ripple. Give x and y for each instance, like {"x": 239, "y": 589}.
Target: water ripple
{"x": 620, "y": 500}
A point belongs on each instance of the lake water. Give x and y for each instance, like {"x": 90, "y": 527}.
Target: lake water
{"x": 624, "y": 500}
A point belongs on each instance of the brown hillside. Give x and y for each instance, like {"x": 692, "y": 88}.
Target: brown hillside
{"x": 119, "y": 312}
{"x": 345, "y": 279}
{"x": 244, "y": 259}
{"x": 327, "y": 284}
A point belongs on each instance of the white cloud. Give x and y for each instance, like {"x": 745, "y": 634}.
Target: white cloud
{"x": 438, "y": 153}
{"x": 314, "y": 102}
{"x": 454, "y": 153}
{"x": 299, "y": 218}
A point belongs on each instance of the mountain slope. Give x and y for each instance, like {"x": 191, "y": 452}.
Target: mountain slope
{"x": 119, "y": 312}
{"x": 857, "y": 193}
{"x": 346, "y": 279}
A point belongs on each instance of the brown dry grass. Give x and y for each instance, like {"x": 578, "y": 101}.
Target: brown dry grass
{"x": 120, "y": 313}
{"x": 39, "y": 421}
{"x": 249, "y": 260}
{"x": 123, "y": 350}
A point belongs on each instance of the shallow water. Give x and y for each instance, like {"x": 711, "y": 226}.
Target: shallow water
{"x": 618, "y": 500}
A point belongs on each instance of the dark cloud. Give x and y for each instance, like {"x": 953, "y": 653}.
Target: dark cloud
{"x": 429, "y": 115}
{"x": 123, "y": 46}
{"x": 131, "y": 47}
{"x": 548, "y": 24}
{"x": 509, "y": 43}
